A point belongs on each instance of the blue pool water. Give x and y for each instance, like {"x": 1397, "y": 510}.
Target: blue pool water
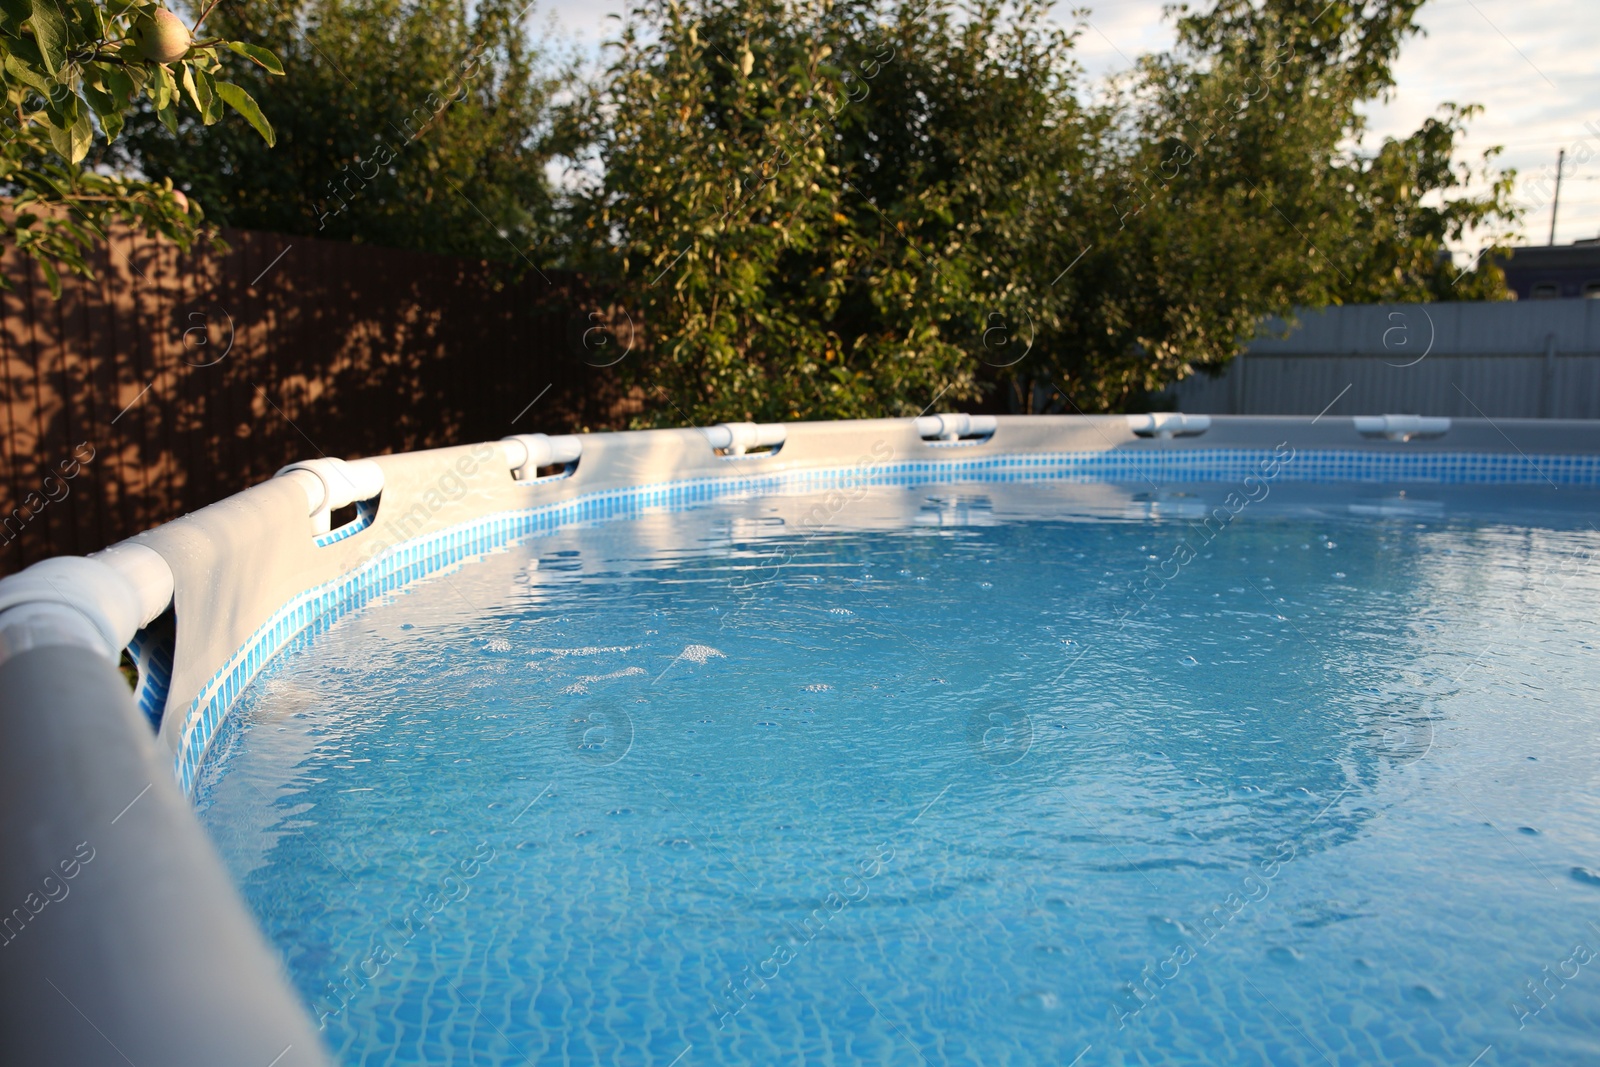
{"x": 981, "y": 774}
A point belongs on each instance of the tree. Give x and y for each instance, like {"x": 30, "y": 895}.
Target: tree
{"x": 713, "y": 192}
{"x": 1245, "y": 193}
{"x": 856, "y": 208}
{"x": 815, "y": 208}
{"x": 72, "y": 71}
{"x": 422, "y": 125}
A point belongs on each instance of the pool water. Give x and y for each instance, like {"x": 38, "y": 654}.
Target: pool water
{"x": 972, "y": 774}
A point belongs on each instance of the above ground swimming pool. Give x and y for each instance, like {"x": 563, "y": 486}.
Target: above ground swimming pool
{"x": 944, "y": 779}
{"x": 1058, "y": 741}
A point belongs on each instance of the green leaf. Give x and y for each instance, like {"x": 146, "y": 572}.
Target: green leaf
{"x": 244, "y": 104}
{"x": 60, "y": 140}
{"x": 61, "y": 110}
{"x": 211, "y": 113}
{"x": 50, "y": 30}
{"x": 72, "y": 139}
{"x": 15, "y": 13}
{"x": 163, "y": 89}
{"x": 190, "y": 88}
{"x": 89, "y": 14}
{"x": 100, "y": 101}
{"x": 261, "y": 57}
{"x": 51, "y": 277}
{"x": 18, "y": 67}
{"x": 119, "y": 85}
{"x": 27, "y": 50}
{"x": 169, "y": 118}
{"x": 81, "y": 137}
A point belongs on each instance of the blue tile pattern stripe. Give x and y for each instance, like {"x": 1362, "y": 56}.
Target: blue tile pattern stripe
{"x": 427, "y": 555}
{"x": 366, "y": 511}
{"x": 154, "y": 659}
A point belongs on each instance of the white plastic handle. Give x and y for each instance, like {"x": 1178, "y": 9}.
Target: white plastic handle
{"x": 342, "y": 482}
{"x": 146, "y": 571}
{"x": 953, "y": 427}
{"x": 1401, "y": 427}
{"x": 737, "y": 438}
{"x": 527, "y": 452}
{"x": 1166, "y": 425}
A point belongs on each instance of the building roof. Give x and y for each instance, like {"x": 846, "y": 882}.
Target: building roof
{"x": 1545, "y": 271}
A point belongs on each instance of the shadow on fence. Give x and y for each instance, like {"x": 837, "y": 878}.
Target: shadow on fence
{"x": 172, "y": 380}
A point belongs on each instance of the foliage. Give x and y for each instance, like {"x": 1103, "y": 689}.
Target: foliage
{"x": 821, "y": 208}
{"x": 1252, "y": 195}
{"x": 72, "y": 71}
{"x": 420, "y": 124}
{"x": 856, "y": 208}
{"x": 817, "y": 209}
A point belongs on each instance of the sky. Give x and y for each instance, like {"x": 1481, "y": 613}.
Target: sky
{"x": 1534, "y": 65}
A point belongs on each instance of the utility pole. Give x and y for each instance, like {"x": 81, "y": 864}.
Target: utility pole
{"x": 1555, "y": 205}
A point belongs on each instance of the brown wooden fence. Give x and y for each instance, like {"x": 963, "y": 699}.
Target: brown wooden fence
{"x": 172, "y": 380}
